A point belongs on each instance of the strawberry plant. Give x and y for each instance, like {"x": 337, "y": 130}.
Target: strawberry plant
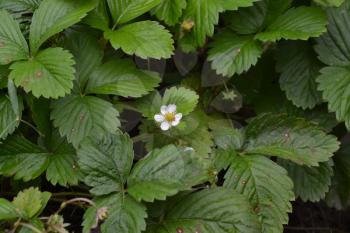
{"x": 171, "y": 116}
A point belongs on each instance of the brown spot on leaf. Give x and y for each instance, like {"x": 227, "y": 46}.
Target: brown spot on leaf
{"x": 38, "y": 74}
{"x": 81, "y": 118}
{"x": 179, "y": 230}
{"x": 244, "y": 181}
{"x": 2, "y": 44}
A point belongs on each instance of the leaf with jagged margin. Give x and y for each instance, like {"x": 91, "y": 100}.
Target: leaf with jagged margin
{"x": 31, "y": 202}
{"x": 124, "y": 215}
{"x": 232, "y": 54}
{"x": 80, "y": 116}
{"x": 49, "y": 74}
{"x": 299, "y": 23}
{"x": 170, "y": 11}
{"x": 333, "y": 47}
{"x": 254, "y": 19}
{"x": 310, "y": 183}
{"x": 9, "y": 121}
{"x": 290, "y": 138}
{"x": 121, "y": 77}
{"x": 215, "y": 210}
{"x": 135, "y": 39}
{"x": 299, "y": 68}
{"x": 99, "y": 17}
{"x": 88, "y": 55}
{"x": 53, "y": 16}
{"x": 123, "y": 11}
{"x": 164, "y": 172}
{"x": 106, "y": 161}
{"x": 266, "y": 185}
{"x": 328, "y": 3}
{"x": 13, "y": 46}
{"x": 21, "y": 158}
{"x": 235, "y": 4}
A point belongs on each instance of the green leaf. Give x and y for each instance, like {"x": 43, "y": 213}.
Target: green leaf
{"x": 163, "y": 172}
{"x": 53, "y": 16}
{"x": 333, "y": 47}
{"x": 121, "y": 77}
{"x": 215, "y": 210}
{"x": 266, "y": 185}
{"x": 125, "y": 215}
{"x": 88, "y": 54}
{"x": 170, "y": 11}
{"x": 235, "y": 4}
{"x": 99, "y": 17}
{"x": 299, "y": 68}
{"x": 296, "y": 24}
{"x": 135, "y": 39}
{"x": 31, "y": 201}
{"x": 328, "y": 3}
{"x": 125, "y": 10}
{"x": 49, "y": 74}
{"x": 232, "y": 54}
{"x": 80, "y": 116}
{"x": 7, "y": 210}
{"x": 62, "y": 162}
{"x": 13, "y": 46}
{"x": 205, "y": 15}
{"x": 310, "y": 183}
{"x": 21, "y": 158}
{"x": 289, "y": 138}
{"x": 184, "y": 99}
{"x": 106, "y": 159}
{"x": 334, "y": 82}
{"x": 9, "y": 120}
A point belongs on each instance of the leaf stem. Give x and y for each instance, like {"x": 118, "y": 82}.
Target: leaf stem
{"x": 33, "y": 127}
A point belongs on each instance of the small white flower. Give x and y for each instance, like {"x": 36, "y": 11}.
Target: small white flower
{"x": 168, "y": 117}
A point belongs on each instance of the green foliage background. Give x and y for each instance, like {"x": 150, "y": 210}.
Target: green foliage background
{"x": 263, "y": 87}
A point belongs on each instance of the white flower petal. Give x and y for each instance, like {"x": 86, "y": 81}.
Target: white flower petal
{"x": 175, "y": 123}
{"x": 172, "y": 108}
{"x": 164, "y": 109}
{"x": 165, "y": 126}
{"x": 159, "y": 118}
{"x": 178, "y": 116}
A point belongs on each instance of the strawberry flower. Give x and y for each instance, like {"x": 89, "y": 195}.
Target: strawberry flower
{"x": 168, "y": 117}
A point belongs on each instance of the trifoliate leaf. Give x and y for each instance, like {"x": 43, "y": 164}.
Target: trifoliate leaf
{"x": 80, "y": 116}
{"x": 326, "y": 3}
{"x": 125, "y": 215}
{"x": 163, "y": 172}
{"x": 106, "y": 161}
{"x": 9, "y": 120}
{"x": 216, "y": 210}
{"x": 289, "y": 138}
{"x": 204, "y": 14}
{"x": 13, "y": 46}
{"x": 333, "y": 47}
{"x": 299, "y": 68}
{"x": 310, "y": 183}
{"x": 53, "y": 16}
{"x": 334, "y": 82}
{"x": 296, "y": 24}
{"x": 266, "y": 185}
{"x": 31, "y": 201}
{"x": 232, "y": 54}
{"x": 21, "y": 158}
{"x": 170, "y": 11}
{"x": 7, "y": 210}
{"x": 135, "y": 39}
{"x": 88, "y": 54}
{"x": 49, "y": 74}
{"x": 123, "y": 11}
{"x": 121, "y": 77}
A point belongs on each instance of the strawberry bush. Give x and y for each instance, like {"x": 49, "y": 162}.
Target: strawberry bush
{"x": 171, "y": 116}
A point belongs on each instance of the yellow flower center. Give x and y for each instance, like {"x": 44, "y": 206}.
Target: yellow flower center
{"x": 169, "y": 117}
